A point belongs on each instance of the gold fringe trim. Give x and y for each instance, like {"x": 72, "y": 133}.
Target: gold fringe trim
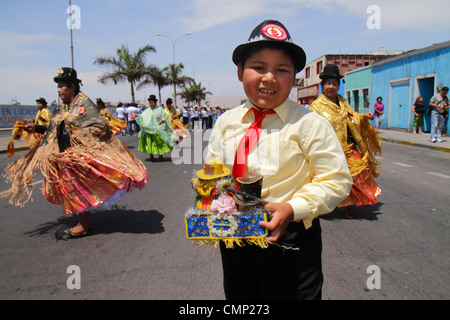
{"x": 231, "y": 242}
{"x": 369, "y": 146}
{"x": 372, "y": 140}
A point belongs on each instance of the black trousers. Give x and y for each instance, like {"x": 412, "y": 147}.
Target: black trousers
{"x": 276, "y": 273}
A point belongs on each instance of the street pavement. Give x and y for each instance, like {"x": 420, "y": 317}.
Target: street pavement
{"x": 138, "y": 249}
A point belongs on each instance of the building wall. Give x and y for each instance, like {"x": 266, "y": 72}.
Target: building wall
{"x": 357, "y": 89}
{"x": 345, "y": 62}
{"x": 314, "y": 72}
{"x": 399, "y": 83}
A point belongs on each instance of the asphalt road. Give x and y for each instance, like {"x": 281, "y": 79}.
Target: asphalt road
{"x": 137, "y": 249}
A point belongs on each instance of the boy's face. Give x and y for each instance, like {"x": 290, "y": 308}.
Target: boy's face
{"x": 267, "y": 76}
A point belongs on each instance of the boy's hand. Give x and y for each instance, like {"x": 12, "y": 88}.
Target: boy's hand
{"x": 282, "y": 215}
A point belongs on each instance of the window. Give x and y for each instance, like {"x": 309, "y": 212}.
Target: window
{"x": 356, "y": 100}
{"x": 307, "y": 73}
{"x": 319, "y": 67}
{"x": 366, "y": 98}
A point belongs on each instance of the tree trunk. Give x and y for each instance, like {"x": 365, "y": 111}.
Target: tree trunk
{"x": 159, "y": 93}
{"x": 132, "y": 91}
{"x": 175, "y": 94}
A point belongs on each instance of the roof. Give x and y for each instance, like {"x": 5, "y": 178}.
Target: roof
{"x": 412, "y": 53}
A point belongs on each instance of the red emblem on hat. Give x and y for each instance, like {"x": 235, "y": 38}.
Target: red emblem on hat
{"x": 274, "y": 31}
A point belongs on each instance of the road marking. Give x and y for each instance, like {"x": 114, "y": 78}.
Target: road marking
{"x": 404, "y": 165}
{"x": 35, "y": 182}
{"x": 440, "y": 175}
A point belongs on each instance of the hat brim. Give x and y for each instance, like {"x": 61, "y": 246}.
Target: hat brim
{"x": 326, "y": 76}
{"x": 201, "y": 174}
{"x": 299, "y": 54}
{"x": 66, "y": 79}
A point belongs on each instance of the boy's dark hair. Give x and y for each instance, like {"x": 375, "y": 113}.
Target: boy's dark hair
{"x": 267, "y": 45}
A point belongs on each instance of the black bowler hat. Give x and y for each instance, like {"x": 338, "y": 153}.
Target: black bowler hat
{"x": 271, "y": 31}
{"x": 331, "y": 71}
{"x": 169, "y": 101}
{"x": 68, "y": 75}
{"x": 41, "y": 100}
{"x": 152, "y": 97}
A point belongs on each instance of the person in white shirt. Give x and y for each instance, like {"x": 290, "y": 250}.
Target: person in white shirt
{"x": 132, "y": 112}
{"x": 120, "y": 114}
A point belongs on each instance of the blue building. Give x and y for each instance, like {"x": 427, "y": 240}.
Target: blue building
{"x": 399, "y": 80}
{"x": 357, "y": 89}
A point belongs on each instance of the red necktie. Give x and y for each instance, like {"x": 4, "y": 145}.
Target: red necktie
{"x": 247, "y": 143}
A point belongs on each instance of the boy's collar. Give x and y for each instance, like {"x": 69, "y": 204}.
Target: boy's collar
{"x": 282, "y": 110}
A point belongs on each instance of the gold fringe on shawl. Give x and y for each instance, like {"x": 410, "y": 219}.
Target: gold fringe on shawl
{"x": 370, "y": 136}
{"x": 16, "y": 134}
{"x": 344, "y": 119}
{"x": 20, "y": 174}
{"x": 117, "y": 125}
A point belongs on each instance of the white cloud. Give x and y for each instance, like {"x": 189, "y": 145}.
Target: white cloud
{"x": 395, "y": 15}
{"x": 206, "y": 14}
{"x": 15, "y": 44}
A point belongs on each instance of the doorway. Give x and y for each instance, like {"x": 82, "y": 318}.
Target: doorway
{"x": 426, "y": 91}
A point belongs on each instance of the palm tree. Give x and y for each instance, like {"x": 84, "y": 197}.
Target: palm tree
{"x": 126, "y": 66}
{"x": 175, "y": 78}
{"x": 155, "y": 76}
{"x": 195, "y": 93}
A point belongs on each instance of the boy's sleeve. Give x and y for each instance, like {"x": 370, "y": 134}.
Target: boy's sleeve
{"x": 215, "y": 144}
{"x": 331, "y": 181}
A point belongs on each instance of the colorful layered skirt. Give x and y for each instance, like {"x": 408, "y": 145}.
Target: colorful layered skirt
{"x": 82, "y": 177}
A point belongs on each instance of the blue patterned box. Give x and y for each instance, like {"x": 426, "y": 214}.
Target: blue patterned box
{"x": 229, "y": 228}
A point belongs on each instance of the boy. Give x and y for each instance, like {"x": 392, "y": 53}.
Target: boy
{"x": 303, "y": 165}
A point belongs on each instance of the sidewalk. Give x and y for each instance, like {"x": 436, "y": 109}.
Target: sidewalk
{"x": 394, "y": 136}
{"x": 416, "y": 140}
{"x": 19, "y": 145}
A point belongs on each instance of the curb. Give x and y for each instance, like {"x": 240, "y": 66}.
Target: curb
{"x": 409, "y": 143}
{"x": 15, "y": 149}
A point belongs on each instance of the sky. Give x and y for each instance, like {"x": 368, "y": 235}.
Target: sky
{"x": 35, "y": 39}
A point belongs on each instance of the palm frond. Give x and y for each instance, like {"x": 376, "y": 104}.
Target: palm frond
{"x": 126, "y": 66}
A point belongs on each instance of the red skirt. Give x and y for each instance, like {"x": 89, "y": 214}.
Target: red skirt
{"x": 364, "y": 190}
